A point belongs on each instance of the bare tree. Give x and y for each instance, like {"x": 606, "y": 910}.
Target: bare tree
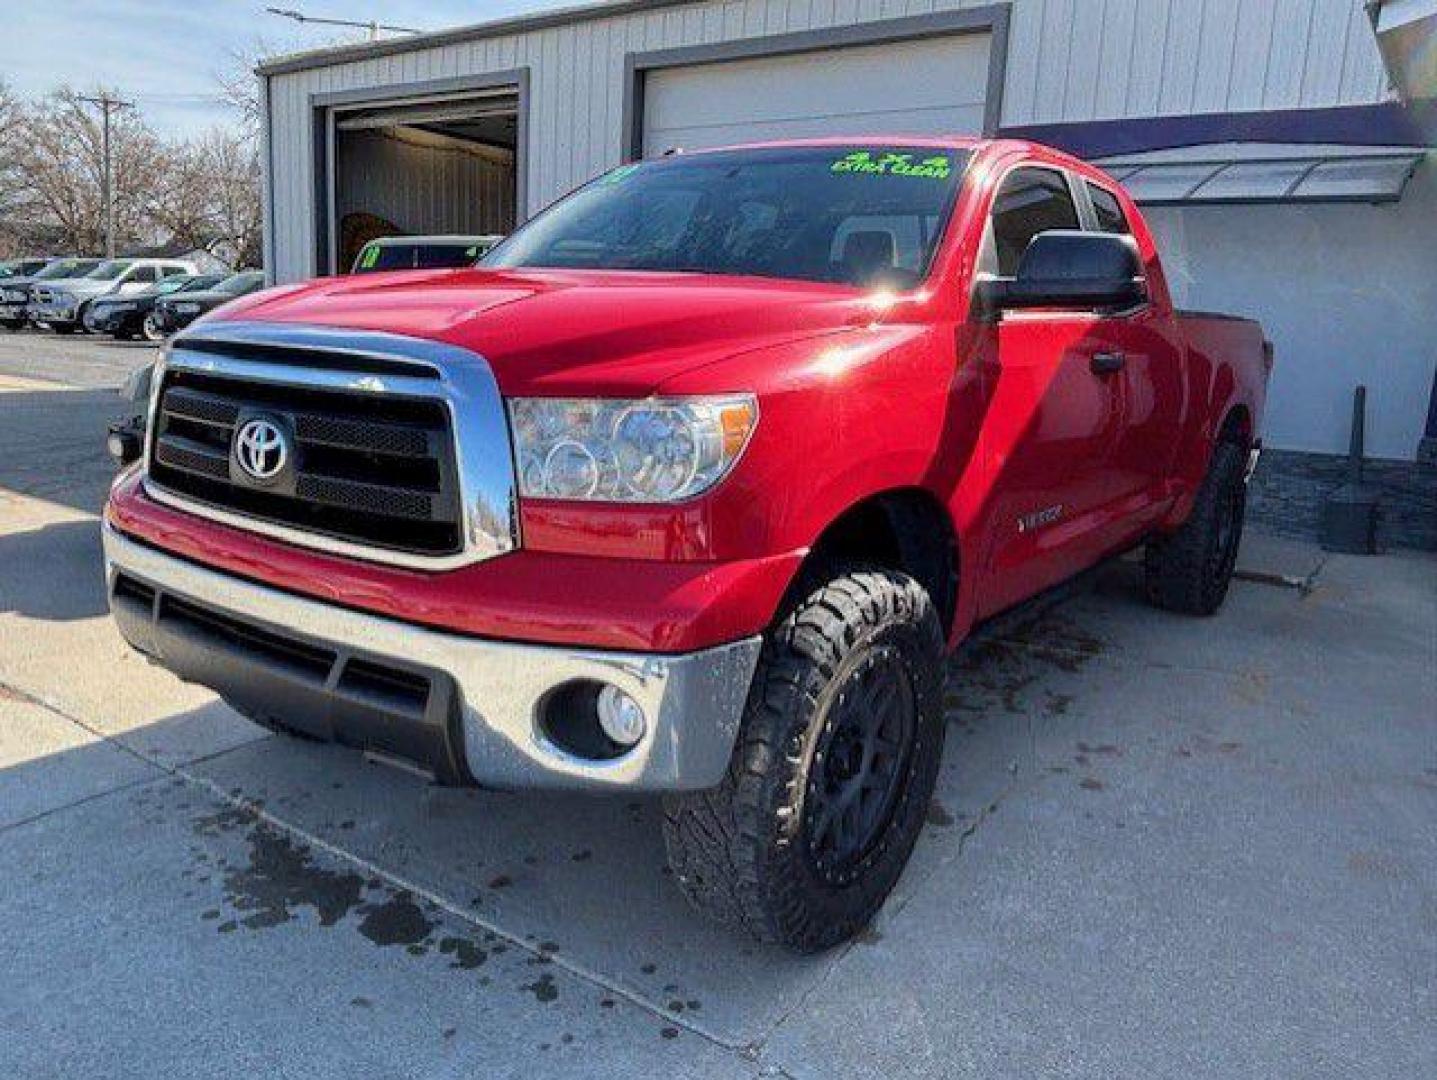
{"x": 13, "y": 192}
{"x": 61, "y": 164}
{"x": 210, "y": 196}
{"x": 239, "y": 85}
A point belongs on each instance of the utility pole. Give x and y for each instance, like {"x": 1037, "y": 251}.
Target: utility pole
{"x": 107, "y": 105}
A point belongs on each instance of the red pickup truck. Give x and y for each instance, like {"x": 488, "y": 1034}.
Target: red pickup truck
{"x": 689, "y": 486}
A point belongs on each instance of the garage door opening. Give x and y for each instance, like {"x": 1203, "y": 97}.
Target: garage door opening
{"x": 440, "y": 166}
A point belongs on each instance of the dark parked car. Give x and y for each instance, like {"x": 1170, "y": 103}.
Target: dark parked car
{"x": 421, "y": 252}
{"x": 125, "y": 317}
{"x": 177, "y": 311}
{"x": 13, "y": 268}
{"x": 15, "y": 291}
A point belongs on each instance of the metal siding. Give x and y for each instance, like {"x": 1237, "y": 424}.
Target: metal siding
{"x": 1068, "y": 60}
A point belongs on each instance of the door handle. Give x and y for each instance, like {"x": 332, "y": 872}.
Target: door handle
{"x": 1106, "y": 363}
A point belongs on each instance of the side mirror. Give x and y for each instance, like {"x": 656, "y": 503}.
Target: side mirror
{"x": 1066, "y": 268}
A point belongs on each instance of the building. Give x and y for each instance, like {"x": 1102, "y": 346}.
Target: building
{"x": 1282, "y": 174}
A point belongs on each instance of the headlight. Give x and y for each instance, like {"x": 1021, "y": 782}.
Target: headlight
{"x": 656, "y": 450}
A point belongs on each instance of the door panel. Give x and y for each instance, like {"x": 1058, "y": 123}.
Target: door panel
{"x": 1151, "y": 390}
{"x": 1046, "y": 442}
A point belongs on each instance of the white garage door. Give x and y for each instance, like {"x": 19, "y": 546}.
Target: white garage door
{"x": 934, "y": 86}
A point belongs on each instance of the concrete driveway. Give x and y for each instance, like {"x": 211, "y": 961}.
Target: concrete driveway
{"x": 1161, "y": 848}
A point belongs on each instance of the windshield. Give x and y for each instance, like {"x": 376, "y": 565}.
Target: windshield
{"x": 108, "y": 270}
{"x": 67, "y": 268}
{"x": 866, "y": 216}
{"x": 237, "y": 283}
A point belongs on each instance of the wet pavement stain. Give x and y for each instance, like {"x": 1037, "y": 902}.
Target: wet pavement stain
{"x": 396, "y": 921}
{"x": 543, "y": 988}
{"x": 280, "y": 878}
{"x": 466, "y": 954}
{"x": 938, "y": 814}
{"x": 996, "y": 670}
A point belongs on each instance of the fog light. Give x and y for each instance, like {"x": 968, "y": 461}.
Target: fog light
{"x": 620, "y": 716}
{"x": 124, "y": 446}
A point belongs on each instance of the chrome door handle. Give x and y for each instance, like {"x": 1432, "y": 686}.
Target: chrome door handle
{"x": 1106, "y": 363}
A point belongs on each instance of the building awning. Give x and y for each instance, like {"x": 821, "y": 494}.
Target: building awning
{"x": 1240, "y": 172}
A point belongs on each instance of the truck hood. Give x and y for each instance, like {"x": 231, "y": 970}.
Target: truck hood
{"x": 553, "y": 332}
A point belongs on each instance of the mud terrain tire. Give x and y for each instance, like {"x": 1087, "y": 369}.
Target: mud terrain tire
{"x": 1189, "y": 570}
{"x": 832, "y": 772}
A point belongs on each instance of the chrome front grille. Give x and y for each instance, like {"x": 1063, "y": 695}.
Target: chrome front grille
{"x": 374, "y": 425}
{"x": 373, "y": 471}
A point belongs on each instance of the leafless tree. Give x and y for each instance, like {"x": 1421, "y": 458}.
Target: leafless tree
{"x": 13, "y": 192}
{"x": 61, "y": 165}
{"x": 211, "y": 196}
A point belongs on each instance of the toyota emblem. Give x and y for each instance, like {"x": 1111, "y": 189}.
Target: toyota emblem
{"x": 261, "y": 450}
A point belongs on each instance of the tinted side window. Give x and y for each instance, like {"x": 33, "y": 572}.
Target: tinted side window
{"x": 146, "y": 274}
{"x": 444, "y": 256}
{"x": 1029, "y": 202}
{"x": 1108, "y": 210}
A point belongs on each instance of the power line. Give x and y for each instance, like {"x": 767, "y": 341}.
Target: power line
{"x": 373, "y": 27}
{"x": 107, "y": 105}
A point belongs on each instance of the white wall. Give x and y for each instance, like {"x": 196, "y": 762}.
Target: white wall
{"x": 1348, "y": 295}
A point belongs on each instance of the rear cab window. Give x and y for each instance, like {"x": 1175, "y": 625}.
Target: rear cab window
{"x": 1107, "y": 210}
{"x": 1032, "y": 199}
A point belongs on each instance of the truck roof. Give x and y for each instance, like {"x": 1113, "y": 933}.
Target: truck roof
{"x": 973, "y": 143}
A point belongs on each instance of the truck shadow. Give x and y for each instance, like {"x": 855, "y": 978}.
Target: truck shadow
{"x": 52, "y": 445}
{"x": 55, "y": 572}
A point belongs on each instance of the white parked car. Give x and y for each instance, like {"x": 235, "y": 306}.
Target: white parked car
{"x": 61, "y": 303}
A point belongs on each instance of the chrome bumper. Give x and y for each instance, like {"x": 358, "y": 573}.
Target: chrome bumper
{"x": 693, "y": 702}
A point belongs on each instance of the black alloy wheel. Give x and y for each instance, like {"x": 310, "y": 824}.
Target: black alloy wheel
{"x": 859, "y": 764}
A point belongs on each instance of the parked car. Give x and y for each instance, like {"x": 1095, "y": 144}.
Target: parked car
{"x": 179, "y": 310}
{"x": 421, "y": 252}
{"x": 21, "y": 268}
{"x": 126, "y": 317}
{"x": 15, "y": 291}
{"x": 60, "y": 303}
{"x": 688, "y": 488}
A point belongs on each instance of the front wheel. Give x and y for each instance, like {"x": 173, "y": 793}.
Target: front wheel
{"x": 833, "y": 770}
{"x": 150, "y": 328}
{"x": 1189, "y": 571}
{"x": 63, "y": 327}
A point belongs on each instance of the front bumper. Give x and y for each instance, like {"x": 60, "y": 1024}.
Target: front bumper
{"x": 105, "y": 320}
{"x": 462, "y": 708}
{"x": 13, "y": 312}
{"x": 53, "y": 311}
{"x": 169, "y": 320}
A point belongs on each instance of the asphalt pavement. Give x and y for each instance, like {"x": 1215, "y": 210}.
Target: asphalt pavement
{"x": 1161, "y": 847}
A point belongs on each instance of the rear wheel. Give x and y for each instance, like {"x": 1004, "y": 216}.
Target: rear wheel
{"x": 833, "y": 770}
{"x": 1189, "y": 571}
{"x": 63, "y": 327}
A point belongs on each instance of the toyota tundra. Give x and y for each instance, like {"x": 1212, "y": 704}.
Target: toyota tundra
{"x": 689, "y": 486}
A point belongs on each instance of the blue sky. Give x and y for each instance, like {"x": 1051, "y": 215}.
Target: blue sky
{"x": 165, "y": 54}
